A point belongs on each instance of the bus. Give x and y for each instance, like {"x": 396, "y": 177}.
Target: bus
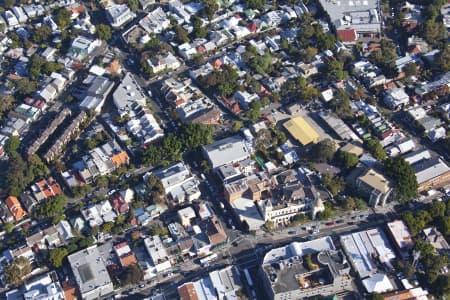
{"x": 208, "y": 259}
{"x": 248, "y": 277}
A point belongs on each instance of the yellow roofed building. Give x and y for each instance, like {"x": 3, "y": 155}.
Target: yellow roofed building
{"x": 301, "y": 131}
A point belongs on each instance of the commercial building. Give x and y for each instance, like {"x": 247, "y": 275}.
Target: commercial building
{"x": 90, "y": 273}
{"x": 158, "y": 254}
{"x": 301, "y": 131}
{"x": 338, "y": 126}
{"x": 400, "y": 235}
{"x": 163, "y": 62}
{"x": 361, "y": 16}
{"x": 374, "y": 187}
{"x": 229, "y": 150}
{"x": 367, "y": 249}
{"x": 220, "y": 284}
{"x": 431, "y": 173}
{"x": 285, "y": 276}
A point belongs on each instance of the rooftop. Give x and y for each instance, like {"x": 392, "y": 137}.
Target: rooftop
{"x": 429, "y": 169}
{"x": 400, "y": 233}
{"x": 301, "y": 131}
{"x": 226, "y": 151}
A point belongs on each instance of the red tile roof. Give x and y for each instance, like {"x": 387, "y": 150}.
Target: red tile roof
{"x": 347, "y": 35}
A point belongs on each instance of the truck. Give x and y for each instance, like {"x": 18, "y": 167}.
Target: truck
{"x": 205, "y": 261}
{"x": 248, "y": 278}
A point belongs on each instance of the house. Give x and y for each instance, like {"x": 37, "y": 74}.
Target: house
{"x": 396, "y": 98}
{"x": 11, "y": 19}
{"x": 119, "y": 204}
{"x": 125, "y": 255}
{"x": 82, "y": 47}
{"x": 15, "y": 208}
{"x": 179, "y": 184}
{"x": 186, "y": 215}
{"x": 374, "y": 187}
{"x": 244, "y": 98}
{"x": 431, "y": 173}
{"x": 159, "y": 257}
{"x": 20, "y": 14}
{"x": 44, "y": 286}
{"x": 119, "y": 14}
{"x": 45, "y": 188}
{"x": 214, "y": 230}
{"x": 5, "y": 214}
{"x": 163, "y": 62}
{"x": 436, "y": 239}
{"x": 155, "y": 21}
{"x": 89, "y": 269}
{"x": 44, "y": 239}
{"x": 229, "y": 150}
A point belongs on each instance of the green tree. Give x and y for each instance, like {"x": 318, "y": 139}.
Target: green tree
{"x": 181, "y": 35}
{"x": 12, "y": 145}
{"x": 442, "y": 63}
{"x": 335, "y": 71}
{"x": 8, "y": 227}
{"x": 324, "y": 150}
{"x": 308, "y": 54}
{"x": 16, "y": 272}
{"x": 347, "y": 160}
{"x": 194, "y": 135}
{"x": 51, "y": 208}
{"x": 157, "y": 229}
{"x": 102, "y": 182}
{"x": 104, "y": 31}
{"x": 7, "y": 102}
{"x": 333, "y": 184}
{"x": 375, "y": 148}
{"x": 404, "y": 177}
{"x": 156, "y": 189}
{"x": 410, "y": 69}
{"x": 133, "y": 5}
{"x": 107, "y": 227}
{"x": 25, "y": 87}
{"x": 41, "y": 34}
{"x": 255, "y": 4}
{"x": 236, "y": 125}
{"x": 56, "y": 257}
{"x": 437, "y": 209}
{"x": 63, "y": 17}
{"x": 375, "y": 296}
{"x": 131, "y": 275}
{"x": 210, "y": 7}
{"x": 269, "y": 225}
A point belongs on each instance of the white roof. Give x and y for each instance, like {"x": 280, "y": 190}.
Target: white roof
{"x": 378, "y": 283}
{"x": 227, "y": 150}
{"x": 400, "y": 234}
{"x": 247, "y": 211}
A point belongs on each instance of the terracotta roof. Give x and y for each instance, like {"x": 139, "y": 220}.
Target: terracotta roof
{"x": 252, "y": 27}
{"x": 114, "y": 66}
{"x": 214, "y": 230}
{"x": 187, "y": 292}
{"x": 128, "y": 260}
{"x": 120, "y": 158}
{"x": 347, "y": 35}
{"x": 15, "y": 208}
{"x": 70, "y": 292}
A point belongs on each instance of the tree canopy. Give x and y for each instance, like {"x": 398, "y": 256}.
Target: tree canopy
{"x": 103, "y": 32}
{"x": 16, "y": 271}
{"x": 404, "y": 176}
{"x": 324, "y": 150}
{"x": 375, "y": 148}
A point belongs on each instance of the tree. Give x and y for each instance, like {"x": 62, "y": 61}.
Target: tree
{"x": 404, "y": 177}
{"x": 157, "y": 229}
{"x": 103, "y": 31}
{"x": 7, "y": 103}
{"x": 437, "y": 209}
{"x": 102, "y": 182}
{"x": 63, "y": 17}
{"x": 347, "y": 160}
{"x": 375, "y": 148}
{"x": 51, "y": 208}
{"x": 236, "y": 125}
{"x": 443, "y": 60}
{"x": 410, "y": 69}
{"x": 375, "y": 296}
{"x": 324, "y": 150}
{"x": 181, "y": 35}
{"x": 194, "y": 135}
{"x": 107, "y": 227}
{"x": 134, "y": 5}
{"x": 210, "y": 7}
{"x": 433, "y": 31}
{"x": 57, "y": 256}
{"x": 335, "y": 71}
{"x": 25, "y": 87}
{"x": 8, "y": 227}
{"x": 156, "y": 189}
{"x": 131, "y": 275}
{"x": 12, "y": 145}
{"x": 310, "y": 93}
{"x": 269, "y": 225}
{"x": 16, "y": 271}
{"x": 41, "y": 34}
{"x": 333, "y": 184}
{"x": 255, "y": 4}
{"x": 308, "y": 54}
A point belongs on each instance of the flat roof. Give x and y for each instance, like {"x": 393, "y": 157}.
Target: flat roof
{"x": 375, "y": 180}
{"x": 89, "y": 269}
{"x": 428, "y": 169}
{"x": 301, "y": 131}
{"x": 400, "y": 233}
{"x": 231, "y": 149}
{"x": 247, "y": 211}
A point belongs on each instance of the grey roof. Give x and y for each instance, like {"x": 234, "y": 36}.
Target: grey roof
{"x": 225, "y": 151}
{"x": 429, "y": 169}
{"x": 128, "y": 93}
{"x": 100, "y": 86}
{"x": 89, "y": 270}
